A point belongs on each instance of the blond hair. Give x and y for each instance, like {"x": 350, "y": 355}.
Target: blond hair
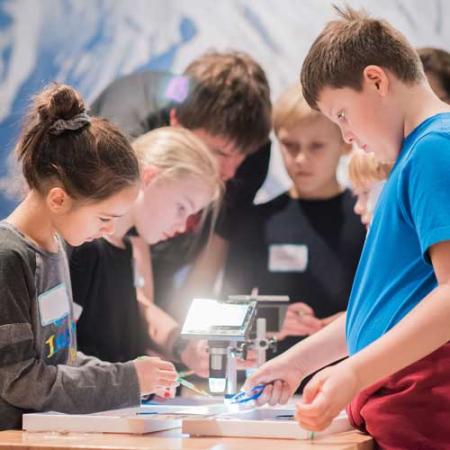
{"x": 364, "y": 168}
{"x": 292, "y": 108}
{"x": 178, "y": 153}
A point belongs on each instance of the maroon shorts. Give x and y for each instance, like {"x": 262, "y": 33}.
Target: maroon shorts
{"x": 409, "y": 410}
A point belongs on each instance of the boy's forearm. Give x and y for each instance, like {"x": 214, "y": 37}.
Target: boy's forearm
{"x": 401, "y": 346}
{"x": 322, "y": 348}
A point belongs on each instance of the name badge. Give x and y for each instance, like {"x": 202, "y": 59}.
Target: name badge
{"x": 53, "y": 304}
{"x": 288, "y": 258}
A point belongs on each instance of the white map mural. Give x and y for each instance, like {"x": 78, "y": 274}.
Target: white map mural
{"x": 88, "y": 43}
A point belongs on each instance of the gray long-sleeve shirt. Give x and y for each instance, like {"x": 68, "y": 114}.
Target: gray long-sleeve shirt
{"x": 40, "y": 368}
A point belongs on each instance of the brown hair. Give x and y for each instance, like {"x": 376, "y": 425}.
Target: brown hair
{"x": 437, "y": 62}
{"x": 229, "y": 97}
{"x": 345, "y": 47}
{"x": 89, "y": 156}
{"x": 364, "y": 167}
{"x": 291, "y": 108}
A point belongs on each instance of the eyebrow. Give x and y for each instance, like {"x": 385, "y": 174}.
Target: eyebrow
{"x": 330, "y": 113}
{"x": 232, "y": 152}
{"x": 221, "y": 151}
{"x": 286, "y": 141}
{"x": 112, "y": 216}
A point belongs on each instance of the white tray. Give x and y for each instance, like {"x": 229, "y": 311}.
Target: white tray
{"x": 118, "y": 421}
{"x": 137, "y": 420}
{"x": 263, "y": 422}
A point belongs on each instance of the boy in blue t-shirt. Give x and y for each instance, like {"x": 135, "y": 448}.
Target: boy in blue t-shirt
{"x": 364, "y": 76}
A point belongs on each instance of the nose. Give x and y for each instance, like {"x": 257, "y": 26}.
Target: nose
{"x": 108, "y": 228}
{"x": 229, "y": 166}
{"x": 348, "y": 137}
{"x": 300, "y": 157}
{"x": 358, "y": 208}
{"x": 366, "y": 218}
{"x": 227, "y": 171}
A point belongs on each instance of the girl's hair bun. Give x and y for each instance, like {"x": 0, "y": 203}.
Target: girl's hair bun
{"x": 58, "y": 101}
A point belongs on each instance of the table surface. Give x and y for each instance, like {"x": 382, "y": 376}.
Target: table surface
{"x": 174, "y": 440}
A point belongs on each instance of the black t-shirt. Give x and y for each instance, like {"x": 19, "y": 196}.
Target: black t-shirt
{"x": 110, "y": 326}
{"x": 307, "y": 249}
{"x": 141, "y": 102}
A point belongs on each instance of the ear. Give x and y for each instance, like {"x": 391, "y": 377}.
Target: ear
{"x": 173, "y": 119}
{"x": 59, "y": 201}
{"x": 376, "y": 77}
{"x": 148, "y": 174}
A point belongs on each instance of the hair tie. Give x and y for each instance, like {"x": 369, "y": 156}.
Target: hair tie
{"x": 76, "y": 123}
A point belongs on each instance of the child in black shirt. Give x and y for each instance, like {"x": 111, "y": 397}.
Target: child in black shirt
{"x": 306, "y": 242}
{"x": 111, "y": 277}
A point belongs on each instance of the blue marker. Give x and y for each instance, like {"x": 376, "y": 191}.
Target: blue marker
{"x": 247, "y": 396}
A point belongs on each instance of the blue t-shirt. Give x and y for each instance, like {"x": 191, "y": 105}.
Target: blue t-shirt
{"x": 412, "y": 214}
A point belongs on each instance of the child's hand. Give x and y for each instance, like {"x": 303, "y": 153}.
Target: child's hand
{"x": 195, "y": 356}
{"x": 281, "y": 376}
{"x": 299, "y": 321}
{"x": 153, "y": 374}
{"x": 324, "y": 397}
{"x": 165, "y": 393}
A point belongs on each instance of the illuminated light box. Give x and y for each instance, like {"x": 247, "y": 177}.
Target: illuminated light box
{"x": 216, "y": 320}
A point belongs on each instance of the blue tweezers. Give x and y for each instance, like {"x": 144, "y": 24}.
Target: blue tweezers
{"x": 247, "y": 396}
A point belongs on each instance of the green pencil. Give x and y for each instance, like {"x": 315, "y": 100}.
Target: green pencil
{"x": 192, "y": 387}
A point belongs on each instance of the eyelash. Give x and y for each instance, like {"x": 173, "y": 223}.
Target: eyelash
{"x": 103, "y": 220}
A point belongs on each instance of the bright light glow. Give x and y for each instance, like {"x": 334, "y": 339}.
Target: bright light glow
{"x": 217, "y": 385}
{"x": 207, "y": 313}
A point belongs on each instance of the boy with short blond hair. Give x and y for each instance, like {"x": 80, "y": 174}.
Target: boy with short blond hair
{"x": 364, "y": 75}
{"x": 367, "y": 176}
{"x": 306, "y": 242}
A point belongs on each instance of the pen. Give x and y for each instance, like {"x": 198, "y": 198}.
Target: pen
{"x": 192, "y": 387}
{"x": 185, "y": 373}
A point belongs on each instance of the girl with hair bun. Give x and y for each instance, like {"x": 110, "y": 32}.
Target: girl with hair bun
{"x": 82, "y": 176}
